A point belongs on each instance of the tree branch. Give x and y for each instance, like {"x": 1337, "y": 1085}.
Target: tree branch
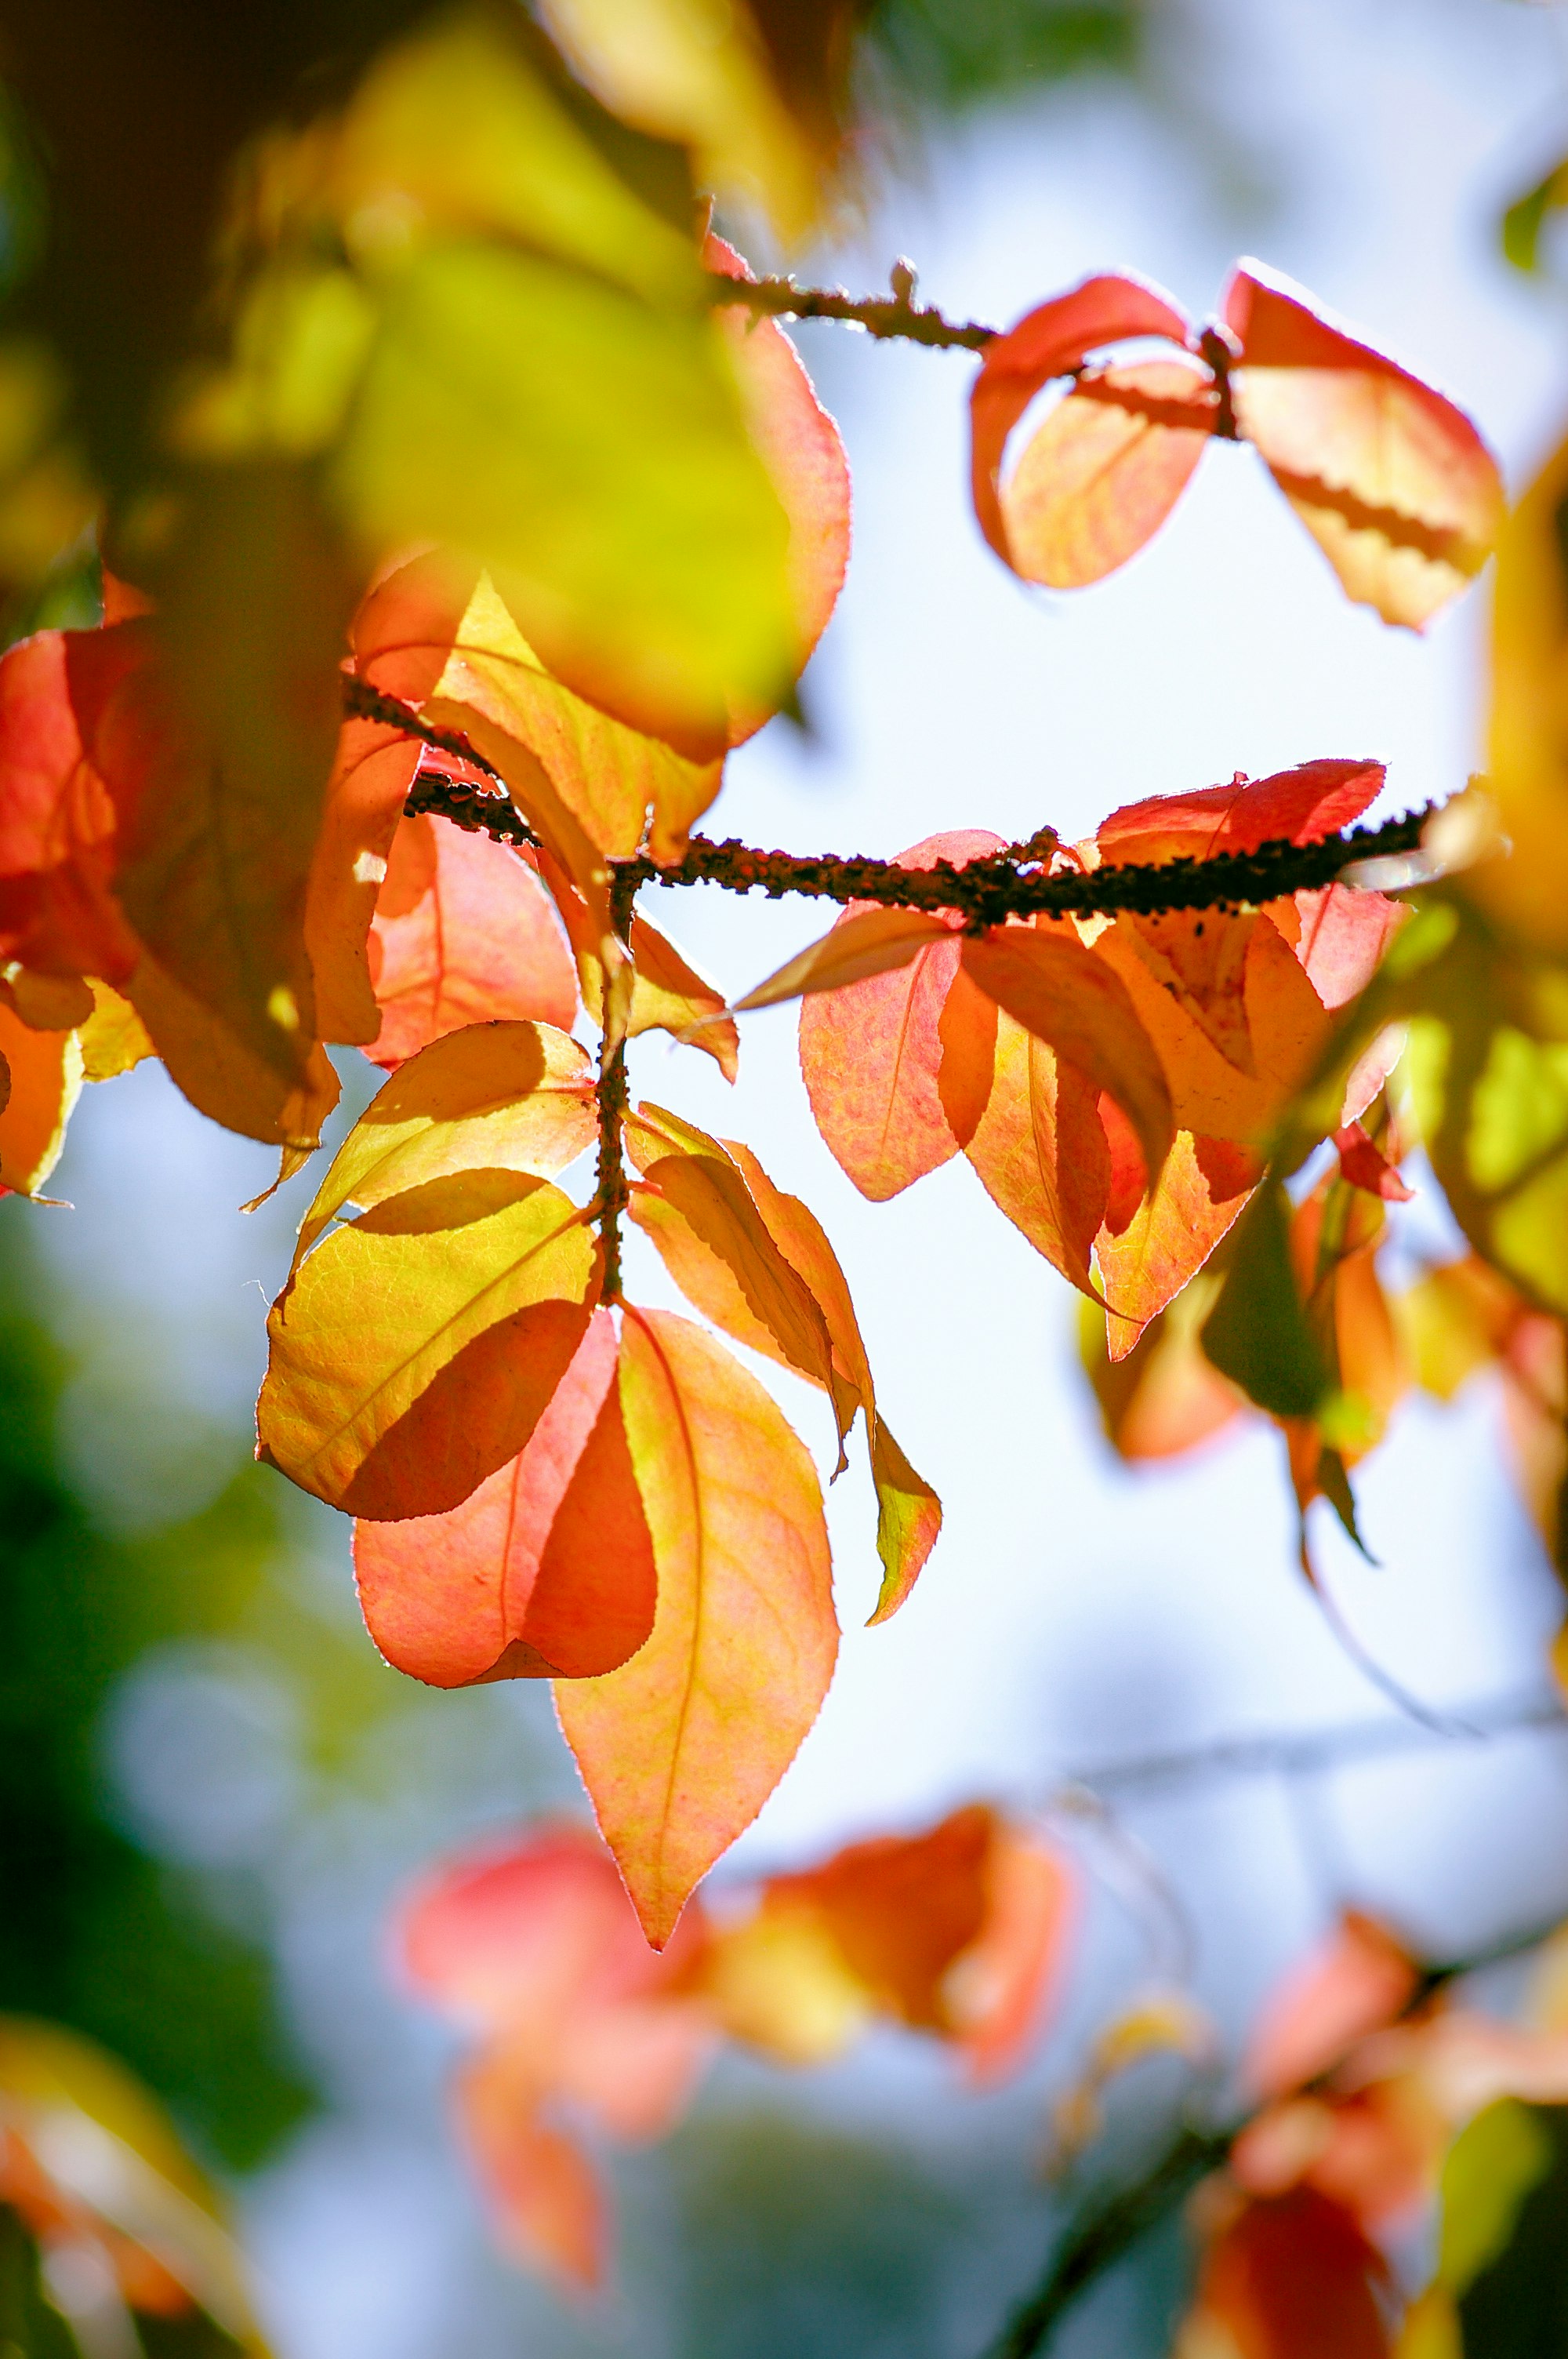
{"x": 880, "y": 315}
{"x": 1110, "y": 2229}
{"x": 1014, "y": 883}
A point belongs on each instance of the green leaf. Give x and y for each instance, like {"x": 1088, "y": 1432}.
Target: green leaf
{"x": 1490, "y": 2169}
{"x": 589, "y": 450}
{"x": 1257, "y": 1333}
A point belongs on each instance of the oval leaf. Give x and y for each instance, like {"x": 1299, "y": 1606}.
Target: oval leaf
{"x": 1105, "y": 470}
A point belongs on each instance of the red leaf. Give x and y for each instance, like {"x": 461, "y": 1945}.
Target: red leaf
{"x": 1299, "y": 806}
{"x": 1052, "y": 339}
{"x": 1392, "y": 480}
{"x": 1144, "y": 1266}
{"x": 1104, "y": 470}
{"x": 546, "y": 1571}
{"x": 464, "y": 933}
{"x": 57, "y": 914}
{"x": 1353, "y": 1982}
{"x": 1294, "y": 2278}
{"x": 871, "y": 1051}
{"x": 1365, "y": 1166}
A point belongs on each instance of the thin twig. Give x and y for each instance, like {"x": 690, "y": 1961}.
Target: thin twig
{"x": 610, "y": 1193}
{"x": 1316, "y": 1750}
{"x": 880, "y": 315}
{"x": 1110, "y": 2229}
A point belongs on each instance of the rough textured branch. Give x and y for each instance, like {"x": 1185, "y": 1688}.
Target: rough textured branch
{"x": 610, "y": 1094}
{"x": 880, "y": 315}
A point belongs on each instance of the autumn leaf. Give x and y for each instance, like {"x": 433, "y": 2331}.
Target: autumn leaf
{"x": 414, "y": 1350}
{"x": 871, "y": 942}
{"x": 680, "y": 1749}
{"x": 870, "y": 1052}
{"x": 1163, "y": 1397}
{"x": 463, "y": 933}
{"x": 1050, "y": 340}
{"x": 508, "y": 1097}
{"x": 800, "y": 447}
{"x": 57, "y": 914}
{"x": 546, "y": 1571}
{"x": 756, "y": 1261}
{"x": 44, "y": 1072}
{"x": 1527, "y": 769}
{"x": 1392, "y": 480}
{"x": 534, "y": 1946}
{"x": 1066, "y": 996}
{"x": 1289, "y": 2277}
{"x": 1147, "y": 1259}
{"x": 1040, "y": 1150}
{"x": 1101, "y": 474}
{"x": 1352, "y": 1982}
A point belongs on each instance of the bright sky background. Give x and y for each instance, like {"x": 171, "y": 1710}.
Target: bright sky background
{"x": 1071, "y": 1615}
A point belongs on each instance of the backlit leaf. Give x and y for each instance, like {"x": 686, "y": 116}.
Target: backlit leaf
{"x": 680, "y": 1749}
{"x": 1291, "y": 2278}
{"x": 871, "y": 942}
{"x": 463, "y": 933}
{"x": 45, "y": 1072}
{"x": 545, "y": 1571}
{"x": 1040, "y": 1150}
{"x": 511, "y": 1097}
{"x": 1164, "y": 1396}
{"x": 1049, "y": 342}
{"x": 1527, "y": 768}
{"x": 57, "y": 822}
{"x": 1145, "y": 1262}
{"x": 414, "y": 1351}
{"x": 1101, "y": 474}
{"x": 1066, "y": 996}
{"x": 1257, "y": 1333}
{"x": 1392, "y": 480}
{"x": 871, "y": 1051}
{"x": 1356, "y": 1981}
{"x": 668, "y": 994}
{"x": 800, "y": 447}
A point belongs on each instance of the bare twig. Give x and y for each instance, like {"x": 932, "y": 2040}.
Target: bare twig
{"x": 879, "y": 315}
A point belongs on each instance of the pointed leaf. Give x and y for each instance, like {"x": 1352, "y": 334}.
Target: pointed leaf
{"x": 668, "y": 994}
{"x": 680, "y": 1749}
{"x": 1099, "y": 477}
{"x": 1040, "y": 1151}
{"x": 1392, "y": 480}
{"x": 414, "y": 1350}
{"x": 1163, "y": 1397}
{"x": 1144, "y": 1263}
{"x": 546, "y": 1571}
{"x": 872, "y": 1053}
{"x": 57, "y": 820}
{"x": 1050, "y": 340}
{"x": 1301, "y": 806}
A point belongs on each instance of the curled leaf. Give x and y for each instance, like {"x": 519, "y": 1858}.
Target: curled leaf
{"x": 1101, "y": 474}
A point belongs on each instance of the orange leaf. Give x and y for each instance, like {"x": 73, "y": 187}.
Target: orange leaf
{"x": 1040, "y": 1151}
{"x": 1069, "y": 998}
{"x": 868, "y": 942}
{"x": 45, "y": 1074}
{"x": 757, "y": 1262}
{"x": 57, "y": 914}
{"x": 414, "y": 1351}
{"x": 1392, "y": 480}
{"x": 800, "y": 447}
{"x": 1050, "y": 340}
{"x": 1104, "y": 470}
{"x": 1353, "y": 1982}
{"x": 464, "y": 933}
{"x": 546, "y": 1571}
{"x": 680, "y": 1749}
{"x": 1162, "y": 1397}
{"x": 535, "y": 1946}
{"x": 1294, "y": 2278}
{"x": 1144, "y": 1266}
{"x": 1340, "y": 936}
{"x": 545, "y": 2194}
{"x": 872, "y": 1052}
